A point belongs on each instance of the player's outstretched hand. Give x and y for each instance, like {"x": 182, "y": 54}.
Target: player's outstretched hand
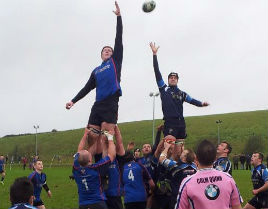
{"x": 49, "y": 194}
{"x": 204, "y": 104}
{"x": 154, "y": 48}
{"x": 69, "y": 105}
{"x": 117, "y": 11}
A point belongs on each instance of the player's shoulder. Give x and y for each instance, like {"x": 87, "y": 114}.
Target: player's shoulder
{"x": 101, "y": 162}
{"x": 187, "y": 180}
{"x": 32, "y": 175}
{"x": 263, "y": 167}
{"x": 224, "y": 175}
{"x": 43, "y": 174}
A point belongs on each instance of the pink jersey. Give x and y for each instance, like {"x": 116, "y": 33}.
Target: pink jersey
{"x": 208, "y": 189}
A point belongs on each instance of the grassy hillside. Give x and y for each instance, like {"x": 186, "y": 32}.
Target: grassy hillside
{"x": 236, "y": 129}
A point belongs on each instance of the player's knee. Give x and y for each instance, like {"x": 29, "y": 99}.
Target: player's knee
{"x": 108, "y": 127}
{"x": 93, "y": 132}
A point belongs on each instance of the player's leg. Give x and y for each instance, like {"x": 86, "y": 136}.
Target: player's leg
{"x": 93, "y": 138}
{"x": 109, "y": 127}
{"x": 252, "y": 204}
{"x": 3, "y": 174}
{"x": 248, "y": 206}
{"x": 41, "y": 207}
{"x": 39, "y": 204}
{"x": 114, "y": 202}
{"x": 109, "y": 116}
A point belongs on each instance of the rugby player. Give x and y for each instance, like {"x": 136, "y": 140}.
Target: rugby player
{"x": 38, "y": 179}
{"x": 208, "y": 188}
{"x": 172, "y": 101}
{"x": 134, "y": 177}
{"x": 22, "y": 194}
{"x": 106, "y": 79}
{"x": 259, "y": 177}
{"x": 87, "y": 175}
{"x": 223, "y": 163}
{"x": 177, "y": 171}
{"x": 2, "y": 169}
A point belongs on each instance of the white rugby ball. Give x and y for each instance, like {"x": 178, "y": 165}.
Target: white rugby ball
{"x": 148, "y": 6}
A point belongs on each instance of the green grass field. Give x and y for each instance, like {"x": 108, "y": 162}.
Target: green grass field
{"x": 64, "y": 191}
{"x": 236, "y": 129}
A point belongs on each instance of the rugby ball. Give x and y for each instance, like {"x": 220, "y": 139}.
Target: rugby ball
{"x": 148, "y": 6}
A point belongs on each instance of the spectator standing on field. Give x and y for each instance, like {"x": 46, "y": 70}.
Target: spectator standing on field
{"x": 235, "y": 161}
{"x": 248, "y": 160}
{"x": 242, "y": 159}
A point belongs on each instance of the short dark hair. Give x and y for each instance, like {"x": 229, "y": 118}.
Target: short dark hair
{"x": 37, "y": 161}
{"x": 228, "y": 146}
{"x": 190, "y": 156}
{"x": 137, "y": 150}
{"x": 21, "y": 190}
{"x": 107, "y": 47}
{"x": 83, "y": 160}
{"x": 206, "y": 153}
{"x": 260, "y": 155}
{"x": 173, "y": 74}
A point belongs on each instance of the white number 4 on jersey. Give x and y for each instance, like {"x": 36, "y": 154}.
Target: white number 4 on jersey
{"x": 130, "y": 175}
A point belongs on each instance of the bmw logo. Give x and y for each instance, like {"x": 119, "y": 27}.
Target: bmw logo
{"x": 212, "y": 192}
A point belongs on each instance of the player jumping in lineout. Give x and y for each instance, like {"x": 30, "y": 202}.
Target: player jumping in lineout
{"x": 106, "y": 79}
{"x": 172, "y": 101}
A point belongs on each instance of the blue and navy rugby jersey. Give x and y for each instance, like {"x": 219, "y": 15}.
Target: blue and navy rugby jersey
{"x": 223, "y": 164}
{"x": 134, "y": 177}
{"x": 146, "y": 161}
{"x": 177, "y": 172}
{"x": 172, "y": 99}
{"x": 88, "y": 180}
{"x": 115, "y": 186}
{"x": 38, "y": 181}
{"x": 2, "y": 163}
{"x": 106, "y": 77}
{"x": 259, "y": 177}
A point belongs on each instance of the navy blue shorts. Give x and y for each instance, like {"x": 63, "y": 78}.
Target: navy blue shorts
{"x": 176, "y": 131}
{"x": 114, "y": 202}
{"x": 38, "y": 203}
{"x": 135, "y": 205}
{"x": 259, "y": 202}
{"x": 99, "y": 205}
{"x": 104, "y": 111}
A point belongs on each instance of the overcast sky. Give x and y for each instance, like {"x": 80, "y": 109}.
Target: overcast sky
{"x": 48, "y": 49}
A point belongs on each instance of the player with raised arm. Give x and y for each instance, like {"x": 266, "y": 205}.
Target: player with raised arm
{"x": 172, "y": 101}
{"x": 106, "y": 79}
{"x": 115, "y": 188}
{"x": 177, "y": 170}
{"x": 87, "y": 175}
{"x": 38, "y": 179}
